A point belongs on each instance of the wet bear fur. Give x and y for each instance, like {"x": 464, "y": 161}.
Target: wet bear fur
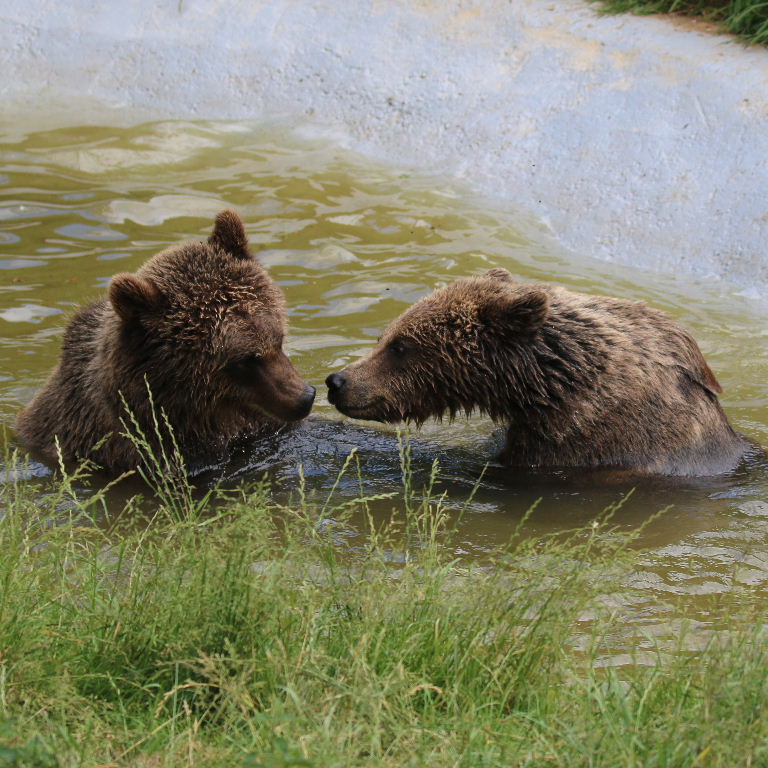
{"x": 201, "y": 327}
{"x": 580, "y": 380}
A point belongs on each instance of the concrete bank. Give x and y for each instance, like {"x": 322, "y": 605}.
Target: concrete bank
{"x": 634, "y": 140}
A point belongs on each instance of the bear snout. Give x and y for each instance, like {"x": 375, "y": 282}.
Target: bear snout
{"x": 298, "y": 408}
{"x": 307, "y": 398}
{"x": 335, "y": 382}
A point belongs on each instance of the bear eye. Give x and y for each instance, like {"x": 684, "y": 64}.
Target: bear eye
{"x": 244, "y": 363}
{"x": 397, "y": 347}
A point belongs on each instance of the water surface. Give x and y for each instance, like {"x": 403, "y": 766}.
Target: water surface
{"x": 352, "y": 244}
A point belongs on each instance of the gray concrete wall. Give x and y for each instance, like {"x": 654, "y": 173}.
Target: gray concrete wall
{"x": 633, "y": 140}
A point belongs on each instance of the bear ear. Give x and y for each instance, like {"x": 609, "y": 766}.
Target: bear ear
{"x": 229, "y": 235}
{"x": 132, "y": 296}
{"x": 499, "y": 273}
{"x": 519, "y": 311}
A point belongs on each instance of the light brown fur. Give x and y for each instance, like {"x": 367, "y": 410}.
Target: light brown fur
{"x": 580, "y": 380}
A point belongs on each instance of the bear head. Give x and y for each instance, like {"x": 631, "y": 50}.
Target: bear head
{"x": 449, "y": 352}
{"x": 202, "y": 324}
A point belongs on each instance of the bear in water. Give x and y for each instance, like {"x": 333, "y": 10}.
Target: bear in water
{"x": 580, "y": 381}
{"x": 200, "y": 326}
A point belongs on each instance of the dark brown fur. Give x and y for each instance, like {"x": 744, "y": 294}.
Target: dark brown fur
{"x": 201, "y": 325}
{"x": 581, "y": 380}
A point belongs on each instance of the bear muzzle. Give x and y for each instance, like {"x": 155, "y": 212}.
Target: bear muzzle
{"x": 335, "y": 383}
{"x": 306, "y": 400}
{"x": 296, "y": 408}
{"x": 348, "y": 401}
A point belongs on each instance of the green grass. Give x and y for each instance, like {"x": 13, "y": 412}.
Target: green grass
{"x": 231, "y": 631}
{"x": 746, "y": 18}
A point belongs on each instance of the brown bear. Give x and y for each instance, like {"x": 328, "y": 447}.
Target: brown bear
{"x": 200, "y": 326}
{"x": 581, "y": 381}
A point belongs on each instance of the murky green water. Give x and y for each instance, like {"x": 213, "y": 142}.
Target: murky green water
{"x": 352, "y": 244}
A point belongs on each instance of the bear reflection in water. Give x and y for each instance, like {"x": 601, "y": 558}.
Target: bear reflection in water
{"x": 579, "y": 380}
{"x": 201, "y": 327}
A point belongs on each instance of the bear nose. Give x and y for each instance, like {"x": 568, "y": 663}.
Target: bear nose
{"x": 304, "y": 405}
{"x": 309, "y": 395}
{"x": 335, "y": 382}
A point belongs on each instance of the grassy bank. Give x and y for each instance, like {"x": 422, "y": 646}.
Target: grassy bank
{"x": 746, "y": 18}
{"x": 230, "y": 631}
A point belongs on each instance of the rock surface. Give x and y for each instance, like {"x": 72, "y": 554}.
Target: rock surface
{"x": 632, "y": 139}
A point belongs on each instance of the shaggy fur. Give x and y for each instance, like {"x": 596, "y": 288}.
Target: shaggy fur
{"x": 581, "y": 380}
{"x": 201, "y": 324}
